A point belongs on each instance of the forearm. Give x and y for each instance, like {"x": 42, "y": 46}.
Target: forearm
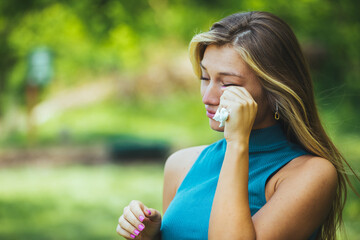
{"x": 230, "y": 215}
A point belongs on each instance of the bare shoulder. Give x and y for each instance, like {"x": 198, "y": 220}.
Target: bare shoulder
{"x": 312, "y": 168}
{"x": 316, "y": 173}
{"x": 305, "y": 170}
{"x": 312, "y": 177}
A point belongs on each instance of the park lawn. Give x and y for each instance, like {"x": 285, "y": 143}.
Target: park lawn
{"x": 73, "y": 202}
{"x": 84, "y": 202}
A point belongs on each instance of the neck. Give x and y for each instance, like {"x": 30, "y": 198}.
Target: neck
{"x": 267, "y": 122}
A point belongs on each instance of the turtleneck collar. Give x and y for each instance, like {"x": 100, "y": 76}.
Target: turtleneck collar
{"x": 266, "y": 138}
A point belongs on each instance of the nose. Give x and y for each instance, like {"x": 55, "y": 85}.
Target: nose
{"x": 211, "y": 94}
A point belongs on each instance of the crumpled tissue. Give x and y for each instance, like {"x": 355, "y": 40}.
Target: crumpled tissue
{"x": 221, "y": 116}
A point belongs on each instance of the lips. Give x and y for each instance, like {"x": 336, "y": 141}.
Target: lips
{"x": 210, "y": 113}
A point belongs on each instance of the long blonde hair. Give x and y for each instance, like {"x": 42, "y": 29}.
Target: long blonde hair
{"x": 268, "y": 45}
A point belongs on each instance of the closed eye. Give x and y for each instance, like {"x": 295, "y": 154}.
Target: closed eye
{"x": 228, "y": 85}
{"x": 203, "y": 78}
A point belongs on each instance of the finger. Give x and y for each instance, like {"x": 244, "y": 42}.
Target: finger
{"x": 136, "y": 207}
{"x": 127, "y": 226}
{"x": 234, "y": 95}
{"x": 244, "y": 90}
{"x": 124, "y": 233}
{"x": 231, "y": 99}
{"x": 153, "y": 214}
{"x": 225, "y": 104}
{"x": 240, "y": 91}
{"x": 133, "y": 220}
{"x": 230, "y": 105}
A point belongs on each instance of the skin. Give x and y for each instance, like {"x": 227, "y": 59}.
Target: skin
{"x": 299, "y": 195}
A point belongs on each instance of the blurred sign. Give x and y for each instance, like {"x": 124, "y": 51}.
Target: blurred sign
{"x": 40, "y": 68}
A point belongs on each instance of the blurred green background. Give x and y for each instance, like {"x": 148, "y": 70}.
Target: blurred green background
{"x": 119, "y": 70}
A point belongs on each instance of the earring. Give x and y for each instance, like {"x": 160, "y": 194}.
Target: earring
{"x": 277, "y": 117}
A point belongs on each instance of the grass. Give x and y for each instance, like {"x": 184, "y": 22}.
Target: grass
{"x": 77, "y": 202}
{"x": 84, "y": 202}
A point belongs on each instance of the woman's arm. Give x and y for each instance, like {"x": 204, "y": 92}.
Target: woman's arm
{"x": 230, "y": 214}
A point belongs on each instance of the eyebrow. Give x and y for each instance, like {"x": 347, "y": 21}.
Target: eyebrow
{"x": 225, "y": 73}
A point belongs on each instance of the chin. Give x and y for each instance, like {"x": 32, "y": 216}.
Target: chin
{"x": 215, "y": 125}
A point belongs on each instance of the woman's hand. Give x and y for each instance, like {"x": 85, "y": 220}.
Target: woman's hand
{"x": 139, "y": 222}
{"x": 242, "y": 108}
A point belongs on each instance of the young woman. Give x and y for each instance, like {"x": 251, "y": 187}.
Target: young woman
{"x": 276, "y": 174}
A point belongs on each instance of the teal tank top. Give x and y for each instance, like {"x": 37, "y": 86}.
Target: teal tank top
{"x": 188, "y": 215}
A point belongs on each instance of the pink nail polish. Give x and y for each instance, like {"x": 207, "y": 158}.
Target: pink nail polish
{"x": 141, "y": 218}
{"x": 141, "y": 227}
{"x": 132, "y": 235}
{"x": 149, "y": 212}
{"x": 136, "y": 232}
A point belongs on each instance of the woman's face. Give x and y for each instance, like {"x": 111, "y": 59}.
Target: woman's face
{"x": 222, "y": 66}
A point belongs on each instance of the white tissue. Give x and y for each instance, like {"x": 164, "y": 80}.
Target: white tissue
{"x": 221, "y": 116}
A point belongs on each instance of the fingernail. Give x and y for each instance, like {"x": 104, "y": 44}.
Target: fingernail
{"x": 149, "y": 212}
{"x": 141, "y": 218}
{"x": 141, "y": 227}
{"x": 136, "y": 232}
{"x": 132, "y": 236}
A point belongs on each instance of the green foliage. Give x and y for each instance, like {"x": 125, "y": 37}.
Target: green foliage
{"x": 105, "y": 36}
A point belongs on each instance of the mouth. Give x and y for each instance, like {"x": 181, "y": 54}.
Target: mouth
{"x": 210, "y": 113}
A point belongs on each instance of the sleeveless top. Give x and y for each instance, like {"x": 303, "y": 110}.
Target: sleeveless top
{"x": 188, "y": 215}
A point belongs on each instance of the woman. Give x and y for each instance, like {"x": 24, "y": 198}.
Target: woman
{"x": 276, "y": 174}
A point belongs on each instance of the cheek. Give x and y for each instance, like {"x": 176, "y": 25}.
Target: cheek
{"x": 256, "y": 93}
{"x": 202, "y": 90}
{"x": 203, "y": 87}
{"x": 261, "y": 100}
{"x": 264, "y": 109}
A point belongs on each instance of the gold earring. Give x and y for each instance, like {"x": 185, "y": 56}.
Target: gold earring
{"x": 277, "y": 117}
